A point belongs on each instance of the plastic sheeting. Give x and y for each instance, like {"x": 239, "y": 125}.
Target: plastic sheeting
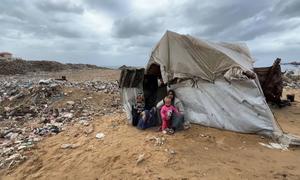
{"x": 128, "y": 99}
{"x": 238, "y": 106}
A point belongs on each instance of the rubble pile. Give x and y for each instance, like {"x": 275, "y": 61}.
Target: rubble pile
{"x": 28, "y": 112}
{"x": 293, "y": 85}
{"x": 23, "y": 67}
{"x": 291, "y": 82}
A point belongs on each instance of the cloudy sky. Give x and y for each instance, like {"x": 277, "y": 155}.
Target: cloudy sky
{"x": 117, "y": 32}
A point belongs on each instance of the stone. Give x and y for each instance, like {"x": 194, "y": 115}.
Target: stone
{"x": 68, "y": 115}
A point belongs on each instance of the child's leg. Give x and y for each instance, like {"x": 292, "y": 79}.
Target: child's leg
{"x": 164, "y": 124}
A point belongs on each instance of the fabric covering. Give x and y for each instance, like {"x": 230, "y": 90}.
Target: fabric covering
{"x": 214, "y": 89}
{"x": 184, "y": 56}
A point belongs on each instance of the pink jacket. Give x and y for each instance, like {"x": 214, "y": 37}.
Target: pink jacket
{"x": 165, "y": 109}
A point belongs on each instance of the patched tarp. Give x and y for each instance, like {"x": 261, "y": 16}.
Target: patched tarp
{"x": 131, "y": 77}
{"x": 183, "y": 56}
{"x": 216, "y": 83}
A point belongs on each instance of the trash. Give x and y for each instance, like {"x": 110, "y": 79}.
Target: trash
{"x": 84, "y": 122}
{"x": 68, "y": 115}
{"x": 170, "y": 151}
{"x": 275, "y": 146}
{"x": 33, "y": 108}
{"x": 290, "y": 97}
{"x": 70, "y": 103}
{"x": 89, "y": 130}
{"x": 140, "y": 158}
{"x": 100, "y": 136}
{"x": 158, "y": 141}
{"x": 69, "y": 146}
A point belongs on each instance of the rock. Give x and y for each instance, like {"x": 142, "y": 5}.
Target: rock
{"x": 100, "y": 136}
{"x": 89, "y": 130}
{"x": 68, "y": 115}
{"x": 11, "y": 136}
{"x": 84, "y": 122}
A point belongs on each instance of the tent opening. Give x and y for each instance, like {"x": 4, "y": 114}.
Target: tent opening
{"x": 154, "y": 90}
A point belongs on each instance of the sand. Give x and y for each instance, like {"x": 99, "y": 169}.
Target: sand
{"x": 197, "y": 153}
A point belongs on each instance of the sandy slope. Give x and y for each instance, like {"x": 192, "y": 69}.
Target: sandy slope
{"x": 198, "y": 153}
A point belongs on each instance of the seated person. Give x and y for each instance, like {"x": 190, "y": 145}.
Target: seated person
{"x": 142, "y": 118}
{"x": 177, "y": 120}
{"x": 137, "y": 109}
{"x": 147, "y": 119}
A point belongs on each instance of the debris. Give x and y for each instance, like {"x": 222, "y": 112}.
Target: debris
{"x": 100, "y": 136}
{"x": 34, "y": 108}
{"x": 170, "y": 151}
{"x": 158, "y": 141}
{"x": 275, "y": 146}
{"x": 69, "y": 146}
{"x": 89, "y": 130}
{"x": 140, "y": 159}
{"x": 70, "y": 103}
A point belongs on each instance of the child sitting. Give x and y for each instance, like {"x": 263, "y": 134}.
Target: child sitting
{"x": 166, "y": 113}
{"x": 138, "y": 109}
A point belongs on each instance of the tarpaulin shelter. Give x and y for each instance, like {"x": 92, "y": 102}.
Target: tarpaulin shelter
{"x": 215, "y": 82}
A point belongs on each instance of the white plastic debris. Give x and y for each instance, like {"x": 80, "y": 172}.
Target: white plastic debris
{"x": 275, "y": 146}
{"x": 140, "y": 158}
{"x": 69, "y": 146}
{"x": 100, "y": 136}
{"x": 70, "y": 103}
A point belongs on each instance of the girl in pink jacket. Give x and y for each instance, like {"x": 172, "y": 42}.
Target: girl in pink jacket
{"x": 166, "y": 112}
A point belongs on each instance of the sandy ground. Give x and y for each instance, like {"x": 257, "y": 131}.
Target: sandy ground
{"x": 197, "y": 153}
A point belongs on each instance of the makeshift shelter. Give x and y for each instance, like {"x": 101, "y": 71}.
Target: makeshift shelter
{"x": 270, "y": 79}
{"x": 215, "y": 82}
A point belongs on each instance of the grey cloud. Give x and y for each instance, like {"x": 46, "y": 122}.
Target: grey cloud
{"x": 40, "y": 23}
{"x": 56, "y": 26}
{"x": 289, "y": 8}
{"x": 62, "y": 6}
{"x": 220, "y": 17}
{"x": 112, "y": 7}
{"x": 131, "y": 26}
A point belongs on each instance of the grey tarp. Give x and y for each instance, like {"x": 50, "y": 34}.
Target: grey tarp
{"x": 208, "y": 98}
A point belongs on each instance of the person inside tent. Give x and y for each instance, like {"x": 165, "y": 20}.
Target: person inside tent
{"x": 137, "y": 109}
{"x": 176, "y": 119}
{"x": 142, "y": 118}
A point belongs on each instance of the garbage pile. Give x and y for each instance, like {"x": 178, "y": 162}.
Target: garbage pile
{"x": 290, "y": 81}
{"x": 292, "y": 85}
{"x": 28, "y": 112}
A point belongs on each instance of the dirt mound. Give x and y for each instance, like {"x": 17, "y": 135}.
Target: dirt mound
{"x": 22, "y": 67}
{"x": 31, "y": 110}
{"x": 128, "y": 153}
